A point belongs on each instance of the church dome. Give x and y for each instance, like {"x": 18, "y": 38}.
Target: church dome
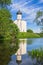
{"x": 19, "y": 12}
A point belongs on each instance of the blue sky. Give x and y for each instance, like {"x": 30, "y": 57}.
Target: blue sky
{"x": 29, "y": 9}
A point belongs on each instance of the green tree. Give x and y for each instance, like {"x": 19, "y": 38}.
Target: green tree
{"x": 40, "y": 23}
{"x": 3, "y": 3}
{"x": 30, "y": 31}
{"x": 8, "y": 29}
{"x": 38, "y": 15}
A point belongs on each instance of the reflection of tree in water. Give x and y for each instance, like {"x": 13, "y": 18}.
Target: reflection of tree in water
{"x": 6, "y": 50}
{"x": 30, "y": 41}
{"x": 22, "y": 41}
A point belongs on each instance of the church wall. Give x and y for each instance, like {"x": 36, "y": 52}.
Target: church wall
{"x": 21, "y": 25}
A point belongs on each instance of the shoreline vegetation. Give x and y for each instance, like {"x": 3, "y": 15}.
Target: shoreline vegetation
{"x": 38, "y": 55}
{"x": 30, "y": 35}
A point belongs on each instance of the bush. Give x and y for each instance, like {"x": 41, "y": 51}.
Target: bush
{"x": 30, "y": 31}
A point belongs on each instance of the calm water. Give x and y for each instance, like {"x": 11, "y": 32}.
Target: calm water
{"x": 25, "y": 46}
{"x": 35, "y": 44}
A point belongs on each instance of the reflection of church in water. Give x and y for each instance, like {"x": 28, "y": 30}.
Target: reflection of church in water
{"x": 20, "y": 23}
{"x": 22, "y": 47}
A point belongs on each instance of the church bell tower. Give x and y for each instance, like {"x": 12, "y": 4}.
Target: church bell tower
{"x": 19, "y": 15}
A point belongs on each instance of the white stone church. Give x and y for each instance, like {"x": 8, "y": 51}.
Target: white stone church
{"x": 20, "y": 23}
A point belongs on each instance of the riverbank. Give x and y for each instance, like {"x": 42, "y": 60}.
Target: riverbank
{"x": 40, "y": 34}
{"x": 28, "y": 35}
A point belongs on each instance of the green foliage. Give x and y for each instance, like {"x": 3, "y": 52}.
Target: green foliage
{"x": 6, "y": 50}
{"x": 3, "y": 3}
{"x": 30, "y": 31}
{"x": 29, "y": 41}
{"x": 40, "y": 34}
{"x": 40, "y": 23}
{"x": 28, "y": 35}
{"x": 39, "y": 14}
{"x": 8, "y": 29}
{"x": 4, "y": 13}
{"x": 38, "y": 54}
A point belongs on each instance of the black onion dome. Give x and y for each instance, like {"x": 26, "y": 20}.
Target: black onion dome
{"x": 19, "y": 12}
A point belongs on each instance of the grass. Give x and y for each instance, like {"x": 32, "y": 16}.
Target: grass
{"x": 38, "y": 55}
{"x": 28, "y": 35}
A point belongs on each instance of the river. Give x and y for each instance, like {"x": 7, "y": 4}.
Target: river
{"x": 25, "y": 46}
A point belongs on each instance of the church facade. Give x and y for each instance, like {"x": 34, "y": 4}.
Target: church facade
{"x": 20, "y": 23}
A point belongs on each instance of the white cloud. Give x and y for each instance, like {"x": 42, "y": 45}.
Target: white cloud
{"x": 30, "y": 11}
{"x": 41, "y": 1}
{"x": 27, "y": 2}
{"x": 36, "y": 30}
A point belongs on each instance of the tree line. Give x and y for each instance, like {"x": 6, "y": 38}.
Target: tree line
{"x": 8, "y": 33}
